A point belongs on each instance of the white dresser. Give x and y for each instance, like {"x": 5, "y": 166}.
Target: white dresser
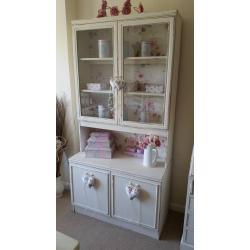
{"x": 139, "y": 101}
{"x": 187, "y": 241}
{"x": 108, "y": 200}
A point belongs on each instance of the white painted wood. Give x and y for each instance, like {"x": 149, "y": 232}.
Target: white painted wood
{"x": 94, "y": 26}
{"x": 185, "y": 246}
{"x": 95, "y": 198}
{"x": 187, "y": 241}
{"x": 123, "y": 128}
{"x": 145, "y": 60}
{"x": 154, "y": 233}
{"x": 96, "y": 59}
{"x": 144, "y": 94}
{"x": 164, "y": 201}
{"x": 174, "y": 82}
{"x": 108, "y": 60}
{"x": 168, "y": 61}
{"x": 189, "y": 238}
{"x": 96, "y": 91}
{"x": 141, "y": 210}
{"x": 124, "y": 164}
{"x": 84, "y": 134}
{"x": 109, "y": 202}
{"x": 170, "y": 13}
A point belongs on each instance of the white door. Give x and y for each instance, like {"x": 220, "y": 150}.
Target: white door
{"x": 142, "y": 209}
{"x": 95, "y": 55}
{"x": 94, "y": 197}
{"x": 145, "y": 49}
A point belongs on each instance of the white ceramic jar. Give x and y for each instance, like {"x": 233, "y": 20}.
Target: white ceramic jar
{"x": 101, "y": 111}
{"x": 104, "y": 48}
{"x": 150, "y": 156}
{"x": 146, "y": 48}
{"x": 125, "y": 49}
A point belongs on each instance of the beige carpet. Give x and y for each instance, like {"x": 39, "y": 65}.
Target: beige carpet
{"x": 96, "y": 235}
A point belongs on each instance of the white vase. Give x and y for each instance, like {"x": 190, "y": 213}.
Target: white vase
{"x": 59, "y": 187}
{"x": 104, "y": 48}
{"x": 150, "y": 156}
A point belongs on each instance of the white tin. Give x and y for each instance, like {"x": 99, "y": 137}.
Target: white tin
{"x": 104, "y": 48}
{"x": 146, "y": 48}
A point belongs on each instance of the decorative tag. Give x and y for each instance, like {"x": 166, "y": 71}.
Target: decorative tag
{"x": 89, "y": 179}
{"x": 133, "y": 190}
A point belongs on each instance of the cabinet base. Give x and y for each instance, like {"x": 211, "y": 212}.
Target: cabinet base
{"x": 185, "y": 246}
{"x": 106, "y": 218}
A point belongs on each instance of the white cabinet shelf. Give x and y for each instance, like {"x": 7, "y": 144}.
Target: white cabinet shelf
{"x": 138, "y": 93}
{"x": 124, "y": 164}
{"x": 97, "y": 91}
{"x": 145, "y": 60}
{"x": 98, "y": 59}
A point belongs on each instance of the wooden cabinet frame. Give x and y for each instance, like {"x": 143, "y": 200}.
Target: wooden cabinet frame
{"x": 166, "y": 129}
{"x": 117, "y": 24}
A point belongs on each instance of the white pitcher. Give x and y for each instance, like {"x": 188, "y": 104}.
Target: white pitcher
{"x": 150, "y": 156}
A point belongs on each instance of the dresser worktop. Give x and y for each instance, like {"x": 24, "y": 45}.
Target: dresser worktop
{"x": 122, "y": 163}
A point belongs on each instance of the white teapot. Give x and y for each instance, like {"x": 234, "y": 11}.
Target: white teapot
{"x": 150, "y": 156}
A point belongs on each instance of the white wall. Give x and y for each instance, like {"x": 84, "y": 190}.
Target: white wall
{"x": 183, "y": 138}
{"x": 64, "y": 80}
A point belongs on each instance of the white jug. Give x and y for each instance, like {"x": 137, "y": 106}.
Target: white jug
{"x": 148, "y": 159}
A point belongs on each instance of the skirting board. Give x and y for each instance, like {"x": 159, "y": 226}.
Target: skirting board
{"x": 177, "y": 207}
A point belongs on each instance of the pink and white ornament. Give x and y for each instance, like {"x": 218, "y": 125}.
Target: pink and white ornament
{"x": 133, "y": 190}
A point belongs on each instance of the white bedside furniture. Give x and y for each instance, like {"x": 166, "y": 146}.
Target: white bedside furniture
{"x": 187, "y": 240}
{"x": 64, "y": 242}
{"x": 145, "y": 104}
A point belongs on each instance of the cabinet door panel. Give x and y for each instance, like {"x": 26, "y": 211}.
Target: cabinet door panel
{"x": 141, "y": 210}
{"x": 145, "y": 58}
{"x": 190, "y": 237}
{"x": 95, "y": 197}
{"x": 96, "y": 62}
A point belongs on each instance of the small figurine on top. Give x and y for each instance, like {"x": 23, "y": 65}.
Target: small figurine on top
{"x": 114, "y": 11}
{"x": 102, "y": 11}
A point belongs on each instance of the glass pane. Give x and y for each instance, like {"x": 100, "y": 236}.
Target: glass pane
{"x": 95, "y": 43}
{"x": 145, "y": 49}
{"x": 145, "y": 40}
{"x": 143, "y": 109}
{"x": 95, "y": 68}
{"x": 97, "y": 105}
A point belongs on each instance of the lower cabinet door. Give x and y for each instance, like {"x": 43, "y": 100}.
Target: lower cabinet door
{"x": 143, "y": 209}
{"x": 90, "y": 188}
{"x": 190, "y": 237}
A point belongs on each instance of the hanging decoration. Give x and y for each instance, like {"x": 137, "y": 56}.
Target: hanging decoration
{"x": 114, "y": 11}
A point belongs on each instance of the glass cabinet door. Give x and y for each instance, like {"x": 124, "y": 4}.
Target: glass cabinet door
{"x": 144, "y": 64}
{"x": 96, "y": 62}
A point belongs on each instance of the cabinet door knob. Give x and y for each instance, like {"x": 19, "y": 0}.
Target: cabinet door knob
{"x": 89, "y": 179}
{"x": 117, "y": 83}
{"x": 133, "y": 190}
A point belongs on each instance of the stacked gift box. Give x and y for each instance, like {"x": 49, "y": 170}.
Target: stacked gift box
{"x": 100, "y": 145}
